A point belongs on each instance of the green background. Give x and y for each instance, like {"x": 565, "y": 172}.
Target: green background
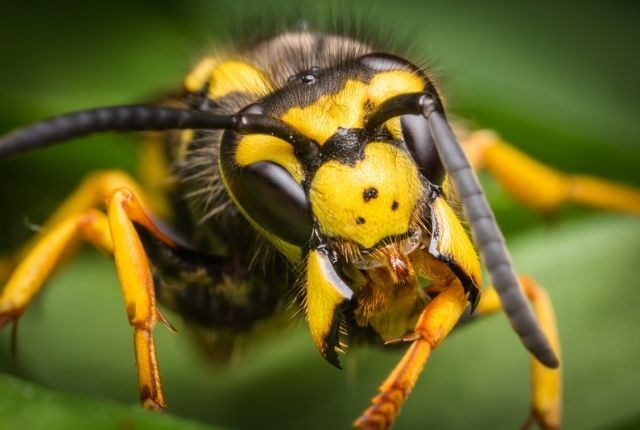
{"x": 559, "y": 81}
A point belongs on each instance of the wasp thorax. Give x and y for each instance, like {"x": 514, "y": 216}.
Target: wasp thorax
{"x": 367, "y": 201}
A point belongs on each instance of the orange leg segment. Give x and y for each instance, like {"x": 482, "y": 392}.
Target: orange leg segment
{"x": 546, "y": 403}
{"x": 136, "y": 282}
{"x": 114, "y": 233}
{"x": 434, "y": 324}
{"x": 540, "y": 187}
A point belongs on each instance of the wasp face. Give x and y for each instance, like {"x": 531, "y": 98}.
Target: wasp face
{"x": 368, "y": 208}
{"x": 369, "y": 200}
{"x": 353, "y": 173}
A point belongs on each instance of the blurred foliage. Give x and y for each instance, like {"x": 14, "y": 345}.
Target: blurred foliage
{"x": 558, "y": 80}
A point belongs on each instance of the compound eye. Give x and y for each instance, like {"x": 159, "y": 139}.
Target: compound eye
{"x": 272, "y": 198}
{"x": 422, "y": 148}
{"x": 379, "y": 62}
{"x": 255, "y": 108}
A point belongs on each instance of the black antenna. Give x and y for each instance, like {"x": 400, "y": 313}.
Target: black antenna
{"x": 145, "y": 118}
{"x": 404, "y": 104}
{"x": 486, "y": 232}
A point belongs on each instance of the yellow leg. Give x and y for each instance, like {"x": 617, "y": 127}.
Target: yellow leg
{"x": 45, "y": 255}
{"x": 541, "y": 187}
{"x": 546, "y": 402}
{"x": 434, "y": 324}
{"x": 136, "y": 282}
{"x": 91, "y": 193}
{"x": 115, "y": 233}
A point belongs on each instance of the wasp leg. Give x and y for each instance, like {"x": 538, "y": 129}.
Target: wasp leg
{"x": 116, "y": 234}
{"x": 38, "y": 264}
{"x": 546, "y": 404}
{"x": 434, "y": 324}
{"x": 539, "y": 186}
{"x": 91, "y": 193}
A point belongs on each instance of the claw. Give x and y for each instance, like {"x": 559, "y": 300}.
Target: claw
{"x": 371, "y": 423}
{"x": 534, "y": 418}
{"x": 152, "y": 405}
{"x": 166, "y": 322}
{"x": 412, "y": 337}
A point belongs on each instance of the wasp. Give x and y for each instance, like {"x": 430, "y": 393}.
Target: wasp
{"x": 334, "y": 161}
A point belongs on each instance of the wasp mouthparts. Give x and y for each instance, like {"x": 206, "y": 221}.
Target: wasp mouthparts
{"x": 400, "y": 267}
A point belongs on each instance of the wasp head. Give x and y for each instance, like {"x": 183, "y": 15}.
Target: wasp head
{"x": 370, "y": 207}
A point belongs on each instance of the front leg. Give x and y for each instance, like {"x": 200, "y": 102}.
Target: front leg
{"x": 435, "y": 323}
{"x": 115, "y": 234}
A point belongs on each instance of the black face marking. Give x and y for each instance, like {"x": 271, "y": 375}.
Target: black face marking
{"x": 394, "y": 205}
{"x": 346, "y": 146}
{"x": 370, "y": 193}
{"x": 360, "y": 220}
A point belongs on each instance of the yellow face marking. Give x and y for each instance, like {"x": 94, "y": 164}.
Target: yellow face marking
{"x": 454, "y": 241}
{"x": 237, "y": 76}
{"x": 394, "y": 127}
{"x": 389, "y": 84}
{"x": 348, "y": 107}
{"x": 369, "y": 201}
{"x": 199, "y": 75}
{"x": 260, "y": 147}
{"x": 320, "y": 120}
{"x": 385, "y": 85}
{"x": 323, "y": 298}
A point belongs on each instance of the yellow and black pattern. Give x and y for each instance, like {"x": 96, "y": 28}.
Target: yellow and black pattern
{"x": 309, "y": 167}
{"x": 324, "y": 87}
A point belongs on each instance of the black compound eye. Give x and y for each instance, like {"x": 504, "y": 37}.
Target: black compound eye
{"x": 274, "y": 200}
{"x": 422, "y": 148}
{"x": 379, "y": 62}
{"x": 254, "y": 108}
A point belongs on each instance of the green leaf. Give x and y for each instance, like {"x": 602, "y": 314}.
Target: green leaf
{"x": 29, "y": 406}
